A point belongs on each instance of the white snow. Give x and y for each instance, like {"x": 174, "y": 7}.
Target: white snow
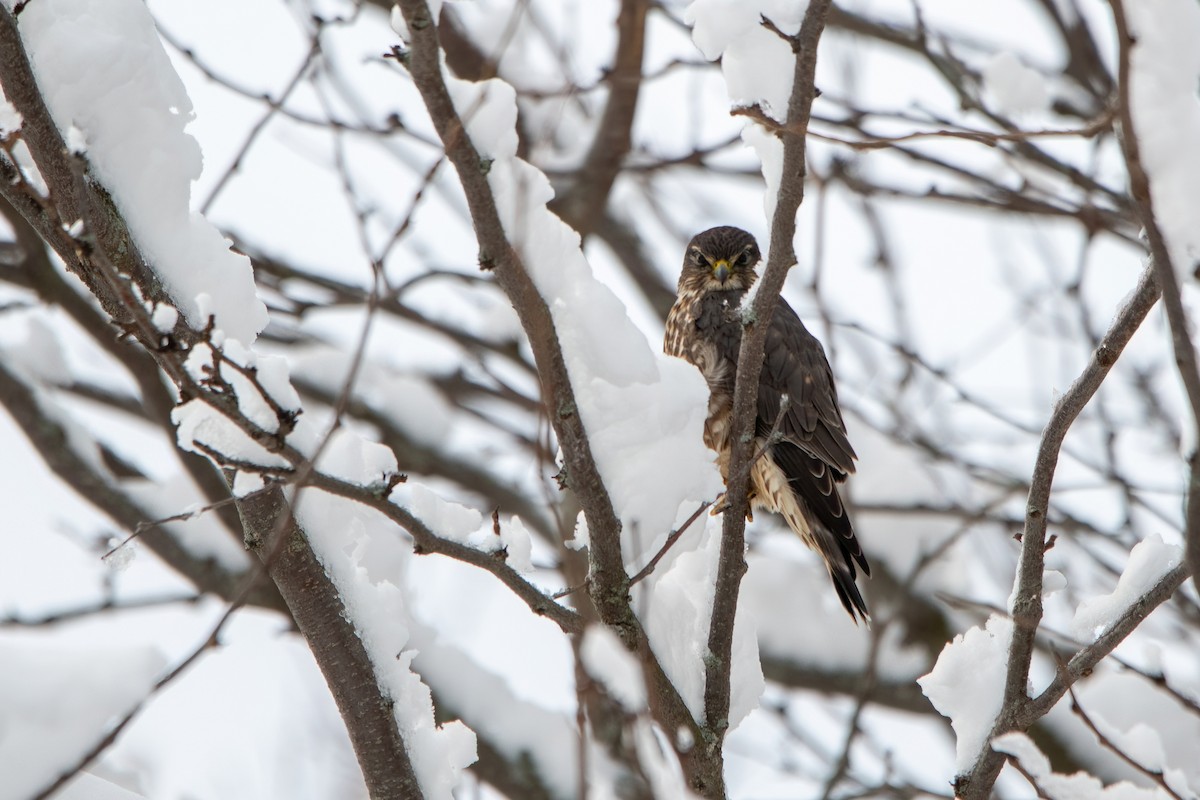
{"x": 196, "y": 422}
{"x": 519, "y": 729}
{"x": 119, "y": 559}
{"x": 966, "y": 685}
{"x": 757, "y": 66}
{"x": 1055, "y": 786}
{"x": 1164, "y": 69}
{"x": 1014, "y": 88}
{"x": 643, "y": 412}
{"x": 76, "y": 141}
{"x": 581, "y": 538}
{"x": 103, "y": 70}
{"x": 164, "y": 317}
{"x": 606, "y": 660}
{"x": 518, "y": 543}
{"x": 676, "y": 608}
{"x": 247, "y": 483}
{"x": 448, "y": 520}
{"x": 10, "y": 118}
{"x": 1149, "y": 560}
{"x": 49, "y": 718}
{"x": 363, "y": 556}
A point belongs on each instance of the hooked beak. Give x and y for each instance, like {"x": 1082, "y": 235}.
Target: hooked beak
{"x": 721, "y": 270}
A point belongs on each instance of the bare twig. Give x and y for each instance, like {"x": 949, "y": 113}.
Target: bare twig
{"x": 991, "y": 138}
{"x": 273, "y": 107}
{"x": 672, "y": 538}
{"x": 1153, "y": 774}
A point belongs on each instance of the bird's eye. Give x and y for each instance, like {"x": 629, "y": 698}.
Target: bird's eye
{"x": 743, "y": 260}
{"x": 699, "y": 258}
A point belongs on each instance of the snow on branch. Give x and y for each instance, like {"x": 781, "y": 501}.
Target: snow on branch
{"x": 600, "y": 381}
{"x": 1026, "y": 605}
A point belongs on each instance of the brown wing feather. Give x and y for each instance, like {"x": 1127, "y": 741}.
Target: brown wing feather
{"x": 795, "y": 364}
{"x": 814, "y": 452}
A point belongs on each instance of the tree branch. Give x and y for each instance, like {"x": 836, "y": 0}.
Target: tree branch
{"x": 584, "y": 205}
{"x": 608, "y": 582}
{"x": 325, "y": 623}
{"x": 732, "y": 562}
{"x": 1027, "y": 605}
{"x": 1160, "y": 255}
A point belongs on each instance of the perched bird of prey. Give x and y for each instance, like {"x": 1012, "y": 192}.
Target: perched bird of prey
{"x": 799, "y": 429}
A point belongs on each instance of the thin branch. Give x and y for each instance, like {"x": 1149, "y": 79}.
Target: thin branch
{"x": 1155, "y": 775}
{"x": 731, "y": 564}
{"x": 672, "y": 538}
{"x": 1160, "y": 255}
{"x": 1097, "y": 126}
{"x": 109, "y": 605}
{"x": 976, "y": 784}
{"x": 273, "y": 107}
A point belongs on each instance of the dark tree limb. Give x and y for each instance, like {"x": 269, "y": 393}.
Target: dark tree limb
{"x": 584, "y": 205}
{"x": 732, "y": 562}
{"x": 324, "y": 622}
{"x": 608, "y": 582}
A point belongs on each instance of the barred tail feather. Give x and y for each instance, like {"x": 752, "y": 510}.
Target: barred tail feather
{"x": 809, "y": 501}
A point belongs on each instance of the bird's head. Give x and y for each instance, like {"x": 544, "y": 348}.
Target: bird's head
{"x": 720, "y": 260}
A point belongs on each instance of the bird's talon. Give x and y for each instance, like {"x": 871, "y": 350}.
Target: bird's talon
{"x": 721, "y": 505}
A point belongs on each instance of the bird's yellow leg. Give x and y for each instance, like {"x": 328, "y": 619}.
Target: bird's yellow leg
{"x": 721, "y": 505}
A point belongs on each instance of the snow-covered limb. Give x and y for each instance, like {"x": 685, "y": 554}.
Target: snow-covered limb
{"x": 1033, "y": 764}
{"x": 1021, "y": 715}
{"x": 427, "y": 541}
{"x": 239, "y": 408}
{"x": 608, "y": 580}
{"x": 1027, "y": 594}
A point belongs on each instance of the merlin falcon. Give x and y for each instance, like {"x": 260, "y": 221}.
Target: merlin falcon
{"x": 799, "y": 430}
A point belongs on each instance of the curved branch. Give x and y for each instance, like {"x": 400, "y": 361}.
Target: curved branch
{"x": 1027, "y": 605}
{"x": 608, "y": 582}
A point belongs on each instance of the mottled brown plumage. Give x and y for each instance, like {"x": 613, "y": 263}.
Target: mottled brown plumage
{"x": 802, "y": 464}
